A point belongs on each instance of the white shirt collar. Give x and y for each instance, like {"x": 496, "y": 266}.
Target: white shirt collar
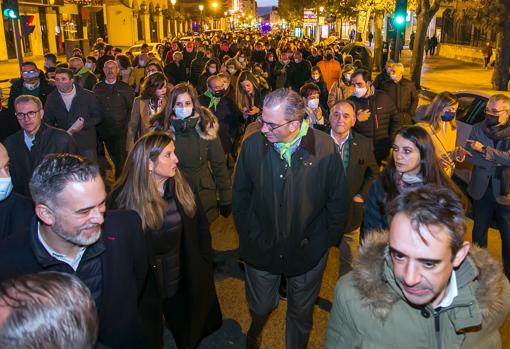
{"x": 451, "y": 293}
{"x": 72, "y": 262}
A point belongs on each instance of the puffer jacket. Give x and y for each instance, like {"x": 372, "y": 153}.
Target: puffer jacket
{"x": 370, "y": 311}
{"x": 405, "y": 97}
{"x": 383, "y": 123}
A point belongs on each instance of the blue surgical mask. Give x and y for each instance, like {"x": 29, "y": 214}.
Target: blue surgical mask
{"x": 448, "y": 116}
{"x": 183, "y": 112}
{"x": 5, "y": 188}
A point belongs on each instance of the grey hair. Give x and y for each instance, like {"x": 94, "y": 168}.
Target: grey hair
{"x": 48, "y": 310}
{"x": 55, "y": 171}
{"x": 500, "y": 98}
{"x": 28, "y": 98}
{"x": 294, "y": 104}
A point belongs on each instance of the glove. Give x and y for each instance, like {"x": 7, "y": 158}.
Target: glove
{"x": 225, "y": 210}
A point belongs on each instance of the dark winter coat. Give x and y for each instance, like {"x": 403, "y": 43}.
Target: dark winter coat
{"x": 15, "y": 212}
{"x": 8, "y": 122}
{"x": 115, "y": 103}
{"x": 381, "y": 79}
{"x": 202, "y": 160}
{"x": 176, "y": 73}
{"x": 48, "y": 140}
{"x": 405, "y": 97}
{"x": 280, "y": 74}
{"x": 83, "y": 105}
{"x": 45, "y": 88}
{"x": 123, "y": 262}
{"x": 298, "y": 74}
{"x": 197, "y": 67}
{"x": 228, "y": 115}
{"x": 288, "y": 216}
{"x": 87, "y": 80}
{"x": 258, "y": 56}
{"x": 382, "y": 125}
{"x": 371, "y": 311}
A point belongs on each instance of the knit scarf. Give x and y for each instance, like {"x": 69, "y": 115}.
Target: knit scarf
{"x": 214, "y": 100}
{"x": 286, "y": 149}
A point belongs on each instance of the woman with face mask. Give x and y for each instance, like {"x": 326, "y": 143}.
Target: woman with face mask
{"x": 211, "y": 68}
{"x": 317, "y": 79}
{"x": 314, "y": 114}
{"x": 180, "y": 283}
{"x": 343, "y": 88}
{"x": 249, "y": 96}
{"x": 411, "y": 164}
{"x": 199, "y": 149}
{"x": 152, "y": 104}
{"x": 440, "y": 123}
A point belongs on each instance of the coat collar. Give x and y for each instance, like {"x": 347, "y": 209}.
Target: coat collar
{"x": 374, "y": 279}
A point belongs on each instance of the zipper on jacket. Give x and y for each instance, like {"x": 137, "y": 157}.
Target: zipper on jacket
{"x": 437, "y": 326}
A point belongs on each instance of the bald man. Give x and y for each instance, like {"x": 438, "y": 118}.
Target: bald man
{"x": 82, "y": 75}
{"x": 15, "y": 210}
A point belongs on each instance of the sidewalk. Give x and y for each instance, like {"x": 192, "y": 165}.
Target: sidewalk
{"x": 445, "y": 74}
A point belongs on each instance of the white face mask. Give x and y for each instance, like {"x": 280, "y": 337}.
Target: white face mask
{"x": 316, "y": 77}
{"x": 297, "y": 60}
{"x": 5, "y": 188}
{"x": 360, "y": 91}
{"x": 241, "y": 59}
{"x": 313, "y": 103}
{"x": 212, "y": 70}
{"x": 183, "y": 112}
{"x": 232, "y": 70}
{"x": 347, "y": 77}
{"x": 88, "y": 65}
{"x": 394, "y": 77}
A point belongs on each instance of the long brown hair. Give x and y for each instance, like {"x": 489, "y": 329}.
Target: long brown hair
{"x": 435, "y": 109}
{"x": 138, "y": 191}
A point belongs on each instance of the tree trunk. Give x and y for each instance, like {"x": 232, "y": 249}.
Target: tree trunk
{"x": 422, "y": 24}
{"x": 500, "y": 75}
{"x": 378, "y": 40}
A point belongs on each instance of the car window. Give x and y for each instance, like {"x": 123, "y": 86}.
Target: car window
{"x": 478, "y": 112}
{"x": 465, "y": 105}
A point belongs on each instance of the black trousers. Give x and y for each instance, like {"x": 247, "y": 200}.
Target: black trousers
{"x": 302, "y": 292}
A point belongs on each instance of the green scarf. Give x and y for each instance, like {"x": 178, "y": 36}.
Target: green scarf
{"x": 286, "y": 149}
{"x": 82, "y": 71}
{"x": 214, "y": 100}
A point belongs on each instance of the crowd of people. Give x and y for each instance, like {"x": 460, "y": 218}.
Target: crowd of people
{"x": 114, "y": 166}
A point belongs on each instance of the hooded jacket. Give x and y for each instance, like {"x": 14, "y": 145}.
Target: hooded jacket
{"x": 202, "y": 160}
{"x": 370, "y": 310}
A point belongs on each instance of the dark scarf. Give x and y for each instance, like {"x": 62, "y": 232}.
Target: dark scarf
{"x": 500, "y": 134}
{"x": 185, "y": 125}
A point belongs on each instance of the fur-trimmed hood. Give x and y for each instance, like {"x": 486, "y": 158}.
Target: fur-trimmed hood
{"x": 377, "y": 292}
{"x": 205, "y": 123}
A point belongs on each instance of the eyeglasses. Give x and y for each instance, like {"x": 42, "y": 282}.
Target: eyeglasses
{"x": 30, "y": 72}
{"x": 272, "y": 127}
{"x": 495, "y": 111}
{"x": 31, "y": 114}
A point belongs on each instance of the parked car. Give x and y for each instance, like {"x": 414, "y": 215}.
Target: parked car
{"x": 137, "y": 49}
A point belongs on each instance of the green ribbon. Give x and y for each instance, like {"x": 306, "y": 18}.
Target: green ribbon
{"x": 82, "y": 71}
{"x": 284, "y": 148}
{"x": 214, "y": 100}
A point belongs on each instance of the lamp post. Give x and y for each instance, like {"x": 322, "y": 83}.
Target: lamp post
{"x": 319, "y": 11}
{"x": 214, "y": 6}
{"x": 172, "y": 18}
{"x": 201, "y": 8}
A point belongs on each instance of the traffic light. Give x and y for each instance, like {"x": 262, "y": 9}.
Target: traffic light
{"x": 400, "y": 14}
{"x": 10, "y": 9}
{"x": 27, "y": 26}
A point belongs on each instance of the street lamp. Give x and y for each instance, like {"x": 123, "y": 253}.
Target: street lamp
{"x": 172, "y": 17}
{"x": 319, "y": 11}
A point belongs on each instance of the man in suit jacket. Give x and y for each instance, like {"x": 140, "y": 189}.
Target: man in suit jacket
{"x": 358, "y": 158}
{"x": 74, "y": 109}
{"x": 73, "y": 234}
{"x": 33, "y": 142}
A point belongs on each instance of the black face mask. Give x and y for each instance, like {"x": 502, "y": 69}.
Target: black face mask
{"x": 491, "y": 120}
{"x": 329, "y": 56}
{"x": 219, "y": 93}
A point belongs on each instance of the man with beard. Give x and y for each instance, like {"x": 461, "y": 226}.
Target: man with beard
{"x": 73, "y": 234}
{"x": 32, "y": 82}
{"x": 420, "y": 285}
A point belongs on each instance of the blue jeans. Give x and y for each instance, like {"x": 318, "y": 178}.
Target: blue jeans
{"x": 483, "y": 211}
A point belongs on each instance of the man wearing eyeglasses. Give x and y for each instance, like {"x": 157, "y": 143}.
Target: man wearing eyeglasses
{"x": 289, "y": 206}
{"x": 489, "y": 148}
{"x": 32, "y": 82}
{"x": 28, "y": 147}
